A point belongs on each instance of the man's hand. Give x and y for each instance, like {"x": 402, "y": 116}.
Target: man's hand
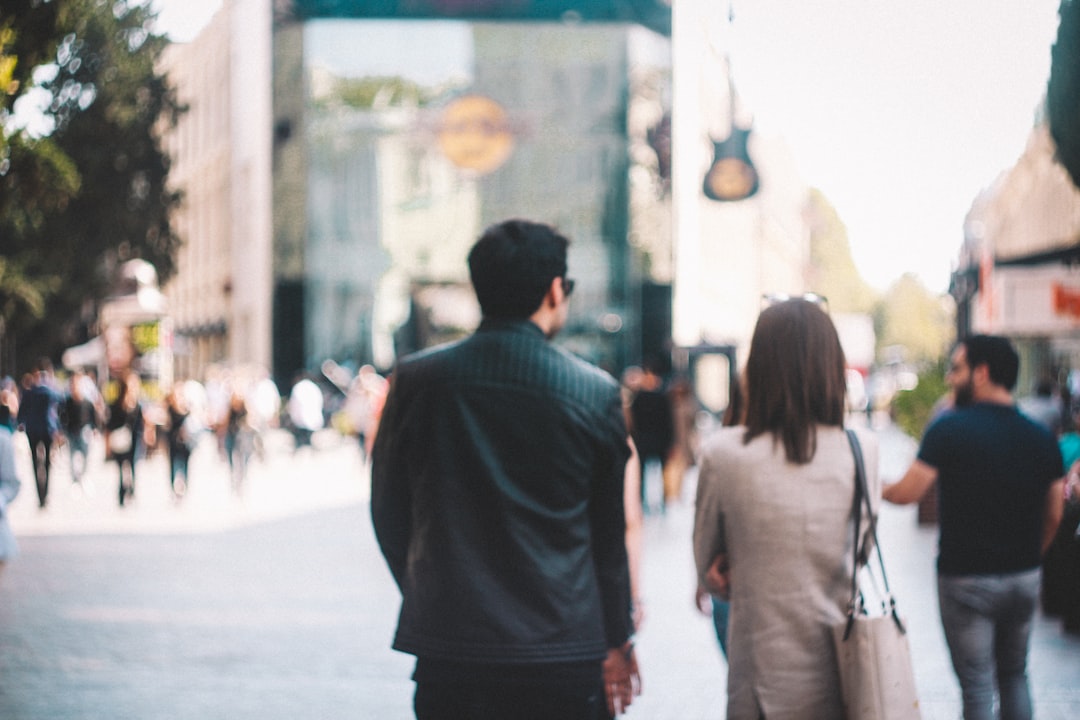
{"x": 622, "y": 682}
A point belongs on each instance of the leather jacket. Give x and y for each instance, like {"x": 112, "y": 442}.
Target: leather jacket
{"x": 497, "y": 500}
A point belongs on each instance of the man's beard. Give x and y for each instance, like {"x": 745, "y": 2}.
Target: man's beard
{"x": 964, "y": 394}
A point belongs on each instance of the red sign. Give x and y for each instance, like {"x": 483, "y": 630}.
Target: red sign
{"x": 1066, "y": 300}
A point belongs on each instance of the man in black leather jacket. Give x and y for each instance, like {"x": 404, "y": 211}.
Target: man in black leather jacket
{"x": 497, "y": 500}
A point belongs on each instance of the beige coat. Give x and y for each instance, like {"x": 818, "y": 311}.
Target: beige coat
{"x": 787, "y": 531}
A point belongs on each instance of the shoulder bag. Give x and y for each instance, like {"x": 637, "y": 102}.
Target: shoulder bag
{"x": 876, "y": 675}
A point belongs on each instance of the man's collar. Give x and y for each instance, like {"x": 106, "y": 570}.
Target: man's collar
{"x": 523, "y": 325}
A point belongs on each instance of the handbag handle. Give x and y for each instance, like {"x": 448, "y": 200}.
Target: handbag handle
{"x": 862, "y": 498}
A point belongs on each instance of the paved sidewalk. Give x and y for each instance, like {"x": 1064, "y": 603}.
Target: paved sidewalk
{"x": 277, "y": 605}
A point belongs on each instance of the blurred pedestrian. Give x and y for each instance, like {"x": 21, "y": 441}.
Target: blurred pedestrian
{"x": 9, "y": 404}
{"x": 239, "y": 440}
{"x": 78, "y": 416}
{"x": 9, "y": 489}
{"x": 1000, "y": 486}
{"x": 127, "y": 433}
{"x": 1044, "y": 407}
{"x": 652, "y": 425}
{"x": 685, "y": 410}
{"x": 364, "y": 404}
{"x": 305, "y": 410}
{"x": 498, "y": 502}
{"x": 181, "y": 435}
{"x": 774, "y": 523}
{"x": 264, "y": 405}
{"x": 39, "y": 416}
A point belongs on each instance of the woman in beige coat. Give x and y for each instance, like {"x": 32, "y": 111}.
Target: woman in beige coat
{"x": 773, "y": 521}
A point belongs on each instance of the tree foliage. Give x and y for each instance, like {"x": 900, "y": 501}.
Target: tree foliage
{"x": 912, "y": 317}
{"x": 27, "y": 38}
{"x": 371, "y": 92}
{"x": 832, "y": 270}
{"x": 914, "y": 409}
{"x": 93, "y": 192}
{"x": 1063, "y": 89}
{"x": 907, "y": 315}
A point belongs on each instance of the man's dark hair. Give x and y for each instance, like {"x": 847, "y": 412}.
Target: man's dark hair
{"x": 512, "y": 266}
{"x": 998, "y": 354}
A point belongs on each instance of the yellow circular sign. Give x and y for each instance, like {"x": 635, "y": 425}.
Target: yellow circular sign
{"x": 475, "y": 134}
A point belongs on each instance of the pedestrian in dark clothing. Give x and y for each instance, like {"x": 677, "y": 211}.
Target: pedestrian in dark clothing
{"x": 40, "y": 417}
{"x": 1000, "y": 492}
{"x": 652, "y": 425}
{"x": 497, "y": 500}
{"x": 180, "y": 437}
{"x": 78, "y": 416}
{"x": 125, "y": 432}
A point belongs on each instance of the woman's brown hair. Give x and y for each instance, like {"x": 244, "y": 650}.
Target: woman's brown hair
{"x": 794, "y": 377}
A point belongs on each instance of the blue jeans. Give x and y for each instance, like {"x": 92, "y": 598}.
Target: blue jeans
{"x": 720, "y": 611}
{"x": 987, "y": 622}
{"x": 79, "y": 447}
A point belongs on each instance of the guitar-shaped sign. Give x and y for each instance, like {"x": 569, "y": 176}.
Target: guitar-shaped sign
{"x": 732, "y": 175}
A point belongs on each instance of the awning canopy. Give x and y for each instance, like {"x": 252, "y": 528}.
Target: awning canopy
{"x": 88, "y": 355}
{"x": 653, "y": 14}
{"x": 1065, "y": 256}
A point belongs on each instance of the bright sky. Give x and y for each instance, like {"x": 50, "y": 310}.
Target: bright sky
{"x": 900, "y": 112}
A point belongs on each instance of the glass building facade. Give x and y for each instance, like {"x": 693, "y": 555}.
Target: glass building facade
{"x": 396, "y": 142}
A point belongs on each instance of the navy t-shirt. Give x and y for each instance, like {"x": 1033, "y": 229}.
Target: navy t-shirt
{"x": 994, "y": 469}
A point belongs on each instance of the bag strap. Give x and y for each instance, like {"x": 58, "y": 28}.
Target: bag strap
{"x": 862, "y": 498}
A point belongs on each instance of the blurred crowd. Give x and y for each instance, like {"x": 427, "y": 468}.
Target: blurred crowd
{"x": 233, "y": 408}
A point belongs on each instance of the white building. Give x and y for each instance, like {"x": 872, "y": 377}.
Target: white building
{"x": 219, "y": 298}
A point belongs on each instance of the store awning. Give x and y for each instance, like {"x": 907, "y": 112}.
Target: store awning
{"x": 1065, "y": 256}
{"x": 88, "y": 355}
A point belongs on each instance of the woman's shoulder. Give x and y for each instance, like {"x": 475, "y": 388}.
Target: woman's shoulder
{"x": 723, "y": 441}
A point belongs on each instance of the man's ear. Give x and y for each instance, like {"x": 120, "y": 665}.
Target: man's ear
{"x": 551, "y": 298}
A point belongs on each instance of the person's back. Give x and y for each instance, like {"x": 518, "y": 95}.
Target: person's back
{"x": 38, "y": 411}
{"x": 513, "y": 428}
{"x": 774, "y": 505}
{"x": 990, "y": 511}
{"x": 305, "y": 406}
{"x": 497, "y": 501}
{"x": 1000, "y": 491}
{"x": 77, "y": 413}
{"x": 40, "y": 417}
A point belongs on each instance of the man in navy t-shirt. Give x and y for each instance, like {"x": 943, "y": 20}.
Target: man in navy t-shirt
{"x": 1000, "y": 495}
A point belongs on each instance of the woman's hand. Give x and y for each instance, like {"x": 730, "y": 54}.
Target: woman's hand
{"x": 716, "y": 577}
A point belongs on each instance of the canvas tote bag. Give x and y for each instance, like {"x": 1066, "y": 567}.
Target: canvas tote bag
{"x": 876, "y": 675}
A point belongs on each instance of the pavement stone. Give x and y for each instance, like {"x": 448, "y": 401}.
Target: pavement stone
{"x": 277, "y": 604}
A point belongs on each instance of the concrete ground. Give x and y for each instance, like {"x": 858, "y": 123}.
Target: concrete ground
{"x": 277, "y": 604}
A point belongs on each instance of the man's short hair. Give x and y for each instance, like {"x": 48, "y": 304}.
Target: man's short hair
{"x": 512, "y": 266}
{"x": 998, "y": 354}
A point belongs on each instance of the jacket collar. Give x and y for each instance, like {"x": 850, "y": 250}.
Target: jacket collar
{"x": 522, "y": 327}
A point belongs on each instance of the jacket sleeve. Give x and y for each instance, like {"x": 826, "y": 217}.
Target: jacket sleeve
{"x": 390, "y": 490}
{"x": 608, "y": 515}
{"x": 708, "y": 520}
